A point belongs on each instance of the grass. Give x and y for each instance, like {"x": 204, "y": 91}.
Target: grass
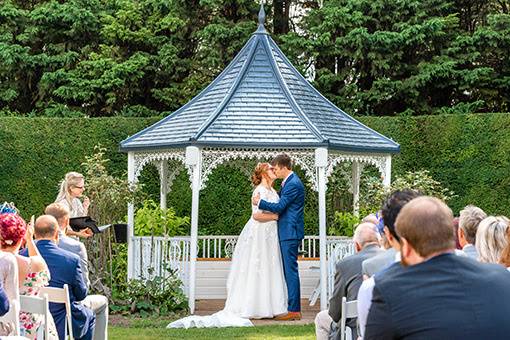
{"x": 148, "y": 329}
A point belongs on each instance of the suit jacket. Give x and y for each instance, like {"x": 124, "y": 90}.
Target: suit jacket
{"x": 373, "y": 265}
{"x": 290, "y": 208}
{"x": 78, "y": 248}
{"x": 447, "y": 297}
{"x": 65, "y": 268}
{"x": 348, "y": 279}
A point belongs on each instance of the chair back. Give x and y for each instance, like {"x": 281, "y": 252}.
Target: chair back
{"x": 37, "y": 305}
{"x": 349, "y": 310}
{"x": 61, "y": 295}
{"x": 12, "y": 316}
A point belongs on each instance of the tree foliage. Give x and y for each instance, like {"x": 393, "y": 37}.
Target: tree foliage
{"x": 149, "y": 57}
{"x": 407, "y": 57}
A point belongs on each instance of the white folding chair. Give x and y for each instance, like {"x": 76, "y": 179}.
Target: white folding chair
{"x": 61, "y": 295}
{"x": 12, "y": 316}
{"x": 37, "y": 305}
{"x": 349, "y": 310}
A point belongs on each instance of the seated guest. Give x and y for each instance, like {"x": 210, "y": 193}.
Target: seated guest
{"x": 61, "y": 214}
{"x": 64, "y": 268}
{"x": 4, "y": 302}
{"x": 491, "y": 238}
{"x": 9, "y": 283}
{"x": 98, "y": 303}
{"x": 347, "y": 281}
{"x": 505, "y": 254}
{"x": 469, "y": 219}
{"x": 390, "y": 210}
{"x": 389, "y": 213}
{"x": 426, "y": 295}
{"x": 373, "y": 264}
{"x": 33, "y": 273}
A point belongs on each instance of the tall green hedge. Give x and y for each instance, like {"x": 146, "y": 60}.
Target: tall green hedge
{"x": 37, "y": 152}
{"x": 469, "y": 154}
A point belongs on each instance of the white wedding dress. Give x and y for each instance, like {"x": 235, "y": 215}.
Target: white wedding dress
{"x": 256, "y": 286}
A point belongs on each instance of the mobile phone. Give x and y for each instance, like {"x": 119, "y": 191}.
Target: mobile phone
{"x": 32, "y": 220}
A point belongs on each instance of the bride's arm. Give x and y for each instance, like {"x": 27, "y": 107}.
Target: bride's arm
{"x": 264, "y": 217}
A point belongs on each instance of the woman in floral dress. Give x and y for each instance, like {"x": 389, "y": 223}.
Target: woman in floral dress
{"x": 32, "y": 270}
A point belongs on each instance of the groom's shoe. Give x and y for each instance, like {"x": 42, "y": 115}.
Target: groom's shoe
{"x": 289, "y": 316}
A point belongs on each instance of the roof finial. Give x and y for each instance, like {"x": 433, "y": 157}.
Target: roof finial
{"x": 262, "y": 18}
{"x": 262, "y": 14}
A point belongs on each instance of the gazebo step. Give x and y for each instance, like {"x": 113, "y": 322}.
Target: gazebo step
{"x": 212, "y": 278}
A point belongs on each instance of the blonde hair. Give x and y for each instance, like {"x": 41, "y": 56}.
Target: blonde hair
{"x": 469, "y": 219}
{"x": 70, "y": 180}
{"x": 491, "y": 238}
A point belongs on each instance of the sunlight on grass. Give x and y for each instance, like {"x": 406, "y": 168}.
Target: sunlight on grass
{"x": 299, "y": 332}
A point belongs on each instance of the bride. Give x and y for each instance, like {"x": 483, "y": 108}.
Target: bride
{"x": 256, "y": 285}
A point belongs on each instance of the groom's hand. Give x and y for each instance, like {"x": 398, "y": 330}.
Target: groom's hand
{"x": 256, "y": 199}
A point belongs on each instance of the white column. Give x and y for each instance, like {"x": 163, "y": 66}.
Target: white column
{"x": 321, "y": 162}
{"x": 356, "y": 173}
{"x": 194, "y": 159}
{"x": 131, "y": 218}
{"x": 163, "y": 183}
{"x": 387, "y": 171}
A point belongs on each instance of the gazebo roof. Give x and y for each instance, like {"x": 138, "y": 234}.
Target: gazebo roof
{"x": 260, "y": 101}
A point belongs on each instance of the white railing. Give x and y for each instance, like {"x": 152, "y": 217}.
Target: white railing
{"x": 154, "y": 256}
{"x": 213, "y": 246}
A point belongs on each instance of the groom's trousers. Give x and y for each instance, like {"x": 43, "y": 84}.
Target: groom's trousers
{"x": 289, "y": 250}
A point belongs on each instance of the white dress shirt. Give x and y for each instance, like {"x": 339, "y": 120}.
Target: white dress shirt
{"x": 286, "y": 178}
{"x": 365, "y": 300}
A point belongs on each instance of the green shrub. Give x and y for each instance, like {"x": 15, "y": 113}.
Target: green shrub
{"x": 160, "y": 295}
{"x": 344, "y": 224}
{"x": 109, "y": 196}
{"x": 375, "y": 193}
{"x": 151, "y": 220}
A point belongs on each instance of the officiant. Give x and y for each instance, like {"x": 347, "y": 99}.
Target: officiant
{"x": 71, "y": 192}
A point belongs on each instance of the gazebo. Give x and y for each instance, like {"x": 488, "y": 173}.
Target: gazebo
{"x": 259, "y": 106}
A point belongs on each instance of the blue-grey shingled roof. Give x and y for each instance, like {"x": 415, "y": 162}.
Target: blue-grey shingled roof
{"x": 260, "y": 100}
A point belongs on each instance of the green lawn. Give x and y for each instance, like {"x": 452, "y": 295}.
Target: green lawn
{"x": 145, "y": 329}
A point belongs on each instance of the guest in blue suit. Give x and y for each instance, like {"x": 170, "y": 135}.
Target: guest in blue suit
{"x": 291, "y": 228}
{"x": 64, "y": 268}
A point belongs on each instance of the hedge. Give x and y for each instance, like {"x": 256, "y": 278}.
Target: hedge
{"x": 37, "y": 152}
{"x": 469, "y": 154}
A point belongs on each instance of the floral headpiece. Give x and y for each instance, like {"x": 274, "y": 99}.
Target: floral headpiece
{"x": 12, "y": 226}
{"x": 8, "y": 208}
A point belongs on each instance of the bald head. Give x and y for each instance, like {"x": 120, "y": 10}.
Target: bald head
{"x": 46, "y": 228}
{"x": 365, "y": 234}
{"x": 427, "y": 224}
{"x": 371, "y": 219}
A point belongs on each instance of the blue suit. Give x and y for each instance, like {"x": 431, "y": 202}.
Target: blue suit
{"x": 291, "y": 230}
{"x": 65, "y": 269}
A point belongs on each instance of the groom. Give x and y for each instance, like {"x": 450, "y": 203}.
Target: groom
{"x": 290, "y": 228}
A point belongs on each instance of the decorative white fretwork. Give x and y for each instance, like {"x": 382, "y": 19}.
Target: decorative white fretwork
{"x": 144, "y": 158}
{"x": 379, "y": 161}
{"x": 212, "y": 158}
{"x": 230, "y": 246}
